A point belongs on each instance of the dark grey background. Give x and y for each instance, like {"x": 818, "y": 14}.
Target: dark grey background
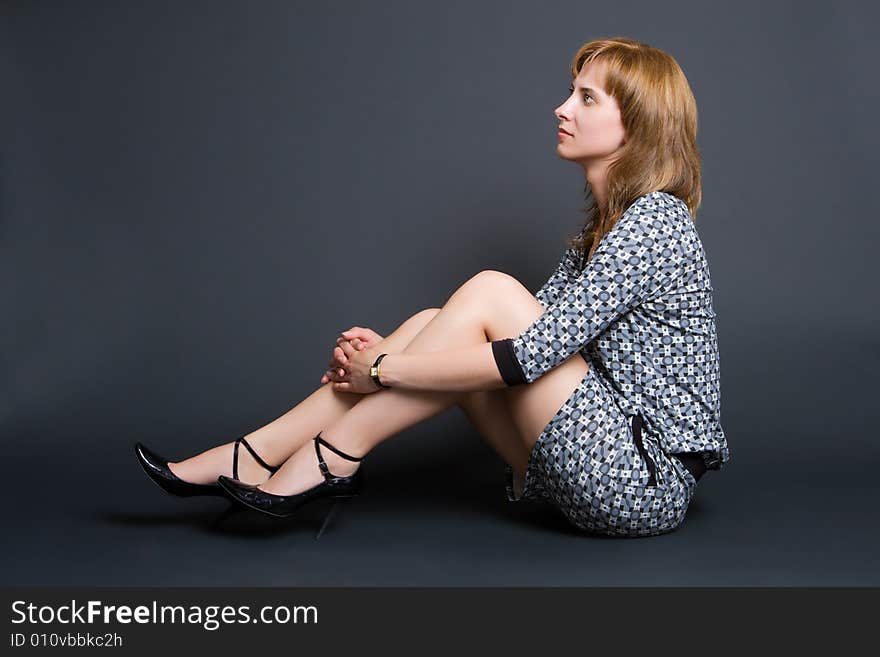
{"x": 197, "y": 197}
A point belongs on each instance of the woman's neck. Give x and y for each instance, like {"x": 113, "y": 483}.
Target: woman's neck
{"x": 596, "y": 181}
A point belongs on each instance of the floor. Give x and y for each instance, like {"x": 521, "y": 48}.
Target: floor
{"x": 434, "y": 514}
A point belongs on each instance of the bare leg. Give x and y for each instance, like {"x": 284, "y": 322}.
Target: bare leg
{"x": 489, "y": 306}
{"x": 490, "y": 412}
{"x": 276, "y": 441}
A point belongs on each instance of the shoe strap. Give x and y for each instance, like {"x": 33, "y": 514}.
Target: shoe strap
{"x": 256, "y": 456}
{"x": 322, "y": 464}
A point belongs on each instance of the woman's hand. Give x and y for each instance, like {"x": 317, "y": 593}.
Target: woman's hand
{"x": 356, "y": 374}
{"x": 354, "y": 339}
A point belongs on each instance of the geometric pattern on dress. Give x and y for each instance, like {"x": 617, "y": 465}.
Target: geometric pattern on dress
{"x": 640, "y": 311}
{"x": 598, "y": 477}
{"x": 641, "y": 314}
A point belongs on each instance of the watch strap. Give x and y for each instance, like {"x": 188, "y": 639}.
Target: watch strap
{"x": 374, "y": 372}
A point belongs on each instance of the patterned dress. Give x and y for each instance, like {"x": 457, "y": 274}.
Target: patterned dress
{"x": 640, "y": 313}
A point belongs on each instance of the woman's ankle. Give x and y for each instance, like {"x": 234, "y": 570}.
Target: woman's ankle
{"x": 204, "y": 468}
{"x": 191, "y": 471}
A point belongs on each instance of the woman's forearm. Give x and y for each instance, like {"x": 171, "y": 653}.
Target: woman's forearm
{"x": 463, "y": 369}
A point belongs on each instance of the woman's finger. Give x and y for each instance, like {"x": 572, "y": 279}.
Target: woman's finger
{"x": 333, "y": 375}
{"x": 347, "y": 349}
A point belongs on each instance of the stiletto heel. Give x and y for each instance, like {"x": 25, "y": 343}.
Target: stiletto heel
{"x": 333, "y": 503}
{"x": 283, "y": 506}
{"x": 157, "y": 469}
{"x": 338, "y": 502}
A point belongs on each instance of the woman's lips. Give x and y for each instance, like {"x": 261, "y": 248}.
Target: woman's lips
{"x": 563, "y": 133}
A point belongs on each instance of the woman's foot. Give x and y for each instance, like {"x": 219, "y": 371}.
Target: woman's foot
{"x": 301, "y": 471}
{"x": 204, "y": 468}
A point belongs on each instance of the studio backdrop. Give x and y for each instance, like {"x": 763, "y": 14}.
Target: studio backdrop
{"x": 197, "y": 197}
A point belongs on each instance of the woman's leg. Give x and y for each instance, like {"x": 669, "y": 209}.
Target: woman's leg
{"x": 489, "y": 306}
{"x": 489, "y": 411}
{"x": 276, "y": 441}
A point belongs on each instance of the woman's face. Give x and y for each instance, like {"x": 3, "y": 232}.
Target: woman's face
{"x": 591, "y": 117}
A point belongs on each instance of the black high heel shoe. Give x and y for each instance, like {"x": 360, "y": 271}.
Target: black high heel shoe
{"x": 283, "y": 506}
{"x": 157, "y": 468}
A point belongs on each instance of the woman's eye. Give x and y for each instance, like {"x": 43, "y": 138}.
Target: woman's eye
{"x": 586, "y": 95}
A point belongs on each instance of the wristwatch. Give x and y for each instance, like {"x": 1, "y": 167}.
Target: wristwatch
{"x": 374, "y": 372}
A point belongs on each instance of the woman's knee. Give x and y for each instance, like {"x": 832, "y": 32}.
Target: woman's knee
{"x": 495, "y": 280}
{"x": 418, "y": 321}
{"x": 422, "y": 317}
{"x": 508, "y": 306}
{"x": 429, "y": 312}
{"x": 398, "y": 340}
{"x": 500, "y": 299}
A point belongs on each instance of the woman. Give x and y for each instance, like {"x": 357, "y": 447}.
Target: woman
{"x": 600, "y": 392}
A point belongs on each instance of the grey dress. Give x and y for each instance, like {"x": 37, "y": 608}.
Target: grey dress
{"x": 640, "y": 313}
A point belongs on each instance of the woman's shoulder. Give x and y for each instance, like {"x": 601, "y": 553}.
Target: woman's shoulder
{"x": 654, "y": 211}
{"x": 658, "y": 201}
{"x": 661, "y": 212}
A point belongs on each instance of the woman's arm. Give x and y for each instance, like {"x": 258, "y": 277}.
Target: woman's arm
{"x": 549, "y": 291}
{"x": 638, "y": 259}
{"x": 464, "y": 369}
{"x": 471, "y": 368}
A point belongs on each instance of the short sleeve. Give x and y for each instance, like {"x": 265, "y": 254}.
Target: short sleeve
{"x": 549, "y": 292}
{"x": 638, "y": 259}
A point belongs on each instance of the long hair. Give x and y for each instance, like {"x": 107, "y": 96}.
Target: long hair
{"x": 659, "y": 116}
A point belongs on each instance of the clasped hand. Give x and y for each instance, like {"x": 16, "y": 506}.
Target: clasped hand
{"x": 355, "y": 351}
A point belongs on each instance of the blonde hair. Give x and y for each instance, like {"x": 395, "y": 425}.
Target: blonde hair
{"x": 659, "y": 116}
